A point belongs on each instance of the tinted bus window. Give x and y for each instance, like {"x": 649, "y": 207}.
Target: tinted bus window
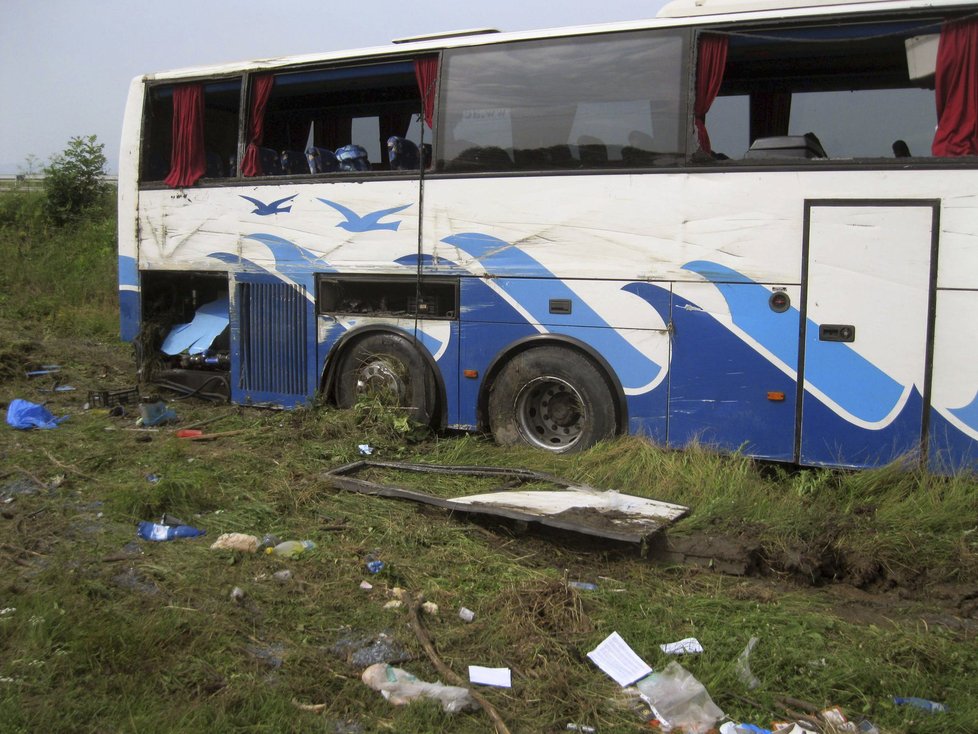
{"x": 613, "y": 101}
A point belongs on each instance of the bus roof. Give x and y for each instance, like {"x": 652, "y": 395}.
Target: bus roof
{"x": 676, "y": 14}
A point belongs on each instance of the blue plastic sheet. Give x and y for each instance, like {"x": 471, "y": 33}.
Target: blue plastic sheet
{"x": 24, "y": 415}
{"x": 197, "y": 336}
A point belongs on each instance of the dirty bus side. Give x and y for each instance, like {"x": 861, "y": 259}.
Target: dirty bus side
{"x": 751, "y": 229}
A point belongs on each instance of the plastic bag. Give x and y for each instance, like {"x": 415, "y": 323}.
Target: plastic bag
{"x": 24, "y": 415}
{"x": 678, "y": 700}
{"x": 400, "y": 687}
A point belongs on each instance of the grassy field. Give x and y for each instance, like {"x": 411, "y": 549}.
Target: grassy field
{"x": 860, "y": 586}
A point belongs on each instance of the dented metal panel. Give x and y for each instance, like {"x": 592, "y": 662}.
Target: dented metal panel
{"x": 572, "y": 507}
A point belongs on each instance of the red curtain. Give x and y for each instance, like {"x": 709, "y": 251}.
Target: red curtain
{"x": 956, "y": 90}
{"x": 711, "y": 60}
{"x": 426, "y": 72}
{"x": 261, "y": 90}
{"x": 187, "y": 160}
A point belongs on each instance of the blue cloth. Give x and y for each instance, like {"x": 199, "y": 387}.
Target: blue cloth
{"x": 196, "y": 337}
{"x": 24, "y": 415}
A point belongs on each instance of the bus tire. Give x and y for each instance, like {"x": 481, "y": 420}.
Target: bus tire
{"x": 551, "y": 398}
{"x": 388, "y": 367}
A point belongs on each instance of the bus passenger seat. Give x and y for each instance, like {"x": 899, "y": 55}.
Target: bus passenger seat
{"x": 215, "y": 166}
{"x": 294, "y": 162}
{"x": 592, "y": 150}
{"x": 352, "y": 158}
{"x": 321, "y": 160}
{"x": 270, "y": 163}
{"x": 404, "y": 154}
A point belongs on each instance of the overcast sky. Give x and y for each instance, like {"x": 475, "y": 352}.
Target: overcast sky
{"x": 65, "y": 65}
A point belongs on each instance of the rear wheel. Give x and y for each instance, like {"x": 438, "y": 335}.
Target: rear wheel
{"x": 551, "y": 398}
{"x": 387, "y": 367}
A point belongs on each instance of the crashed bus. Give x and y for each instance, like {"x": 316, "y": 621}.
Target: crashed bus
{"x": 745, "y": 223}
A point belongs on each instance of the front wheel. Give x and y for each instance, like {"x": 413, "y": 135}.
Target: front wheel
{"x": 551, "y": 398}
{"x": 389, "y": 368}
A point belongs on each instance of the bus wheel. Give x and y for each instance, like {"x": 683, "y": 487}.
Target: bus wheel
{"x": 389, "y": 368}
{"x": 553, "y": 399}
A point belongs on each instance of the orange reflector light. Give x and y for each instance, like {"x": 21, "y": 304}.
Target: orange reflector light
{"x": 471, "y": 374}
{"x": 776, "y": 396}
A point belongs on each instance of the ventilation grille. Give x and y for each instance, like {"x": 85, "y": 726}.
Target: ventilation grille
{"x": 274, "y": 351}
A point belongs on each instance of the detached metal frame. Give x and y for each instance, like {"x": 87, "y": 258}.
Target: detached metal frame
{"x": 615, "y": 524}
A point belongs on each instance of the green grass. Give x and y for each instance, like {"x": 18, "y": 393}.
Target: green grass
{"x": 105, "y": 641}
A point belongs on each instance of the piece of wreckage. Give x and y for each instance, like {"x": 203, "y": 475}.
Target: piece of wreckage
{"x": 576, "y": 508}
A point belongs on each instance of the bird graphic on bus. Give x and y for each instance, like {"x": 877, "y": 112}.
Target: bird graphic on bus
{"x": 368, "y": 222}
{"x": 276, "y": 207}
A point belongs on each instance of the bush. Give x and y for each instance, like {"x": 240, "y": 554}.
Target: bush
{"x": 75, "y": 180}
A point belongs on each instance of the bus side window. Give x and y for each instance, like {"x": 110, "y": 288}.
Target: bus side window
{"x": 858, "y": 87}
{"x": 336, "y": 121}
{"x": 594, "y": 102}
{"x": 218, "y": 133}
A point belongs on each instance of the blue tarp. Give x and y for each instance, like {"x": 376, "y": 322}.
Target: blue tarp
{"x": 197, "y": 336}
{"x": 24, "y": 415}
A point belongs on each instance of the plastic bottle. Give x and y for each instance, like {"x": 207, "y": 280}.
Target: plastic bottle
{"x": 291, "y": 548}
{"x": 920, "y": 703}
{"x": 156, "y": 531}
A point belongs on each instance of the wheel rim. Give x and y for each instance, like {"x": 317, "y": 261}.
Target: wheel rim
{"x": 550, "y": 413}
{"x": 377, "y": 377}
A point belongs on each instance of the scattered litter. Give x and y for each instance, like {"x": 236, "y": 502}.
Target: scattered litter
{"x": 732, "y": 728}
{"x": 153, "y": 412}
{"x": 362, "y": 651}
{"x": 291, "y": 548}
{"x": 400, "y": 687}
{"x": 678, "y": 700}
{"x": 686, "y": 646}
{"x": 366, "y": 585}
{"x": 112, "y": 398}
{"x": 743, "y": 666}
{"x": 238, "y": 595}
{"x": 365, "y": 449}
{"x": 46, "y": 369}
{"x": 156, "y": 531}
{"x": 430, "y": 608}
{"x": 394, "y": 604}
{"x": 466, "y": 615}
{"x": 619, "y": 661}
{"x": 24, "y": 415}
{"x": 283, "y": 576}
{"x": 375, "y": 566}
{"x": 236, "y": 542}
{"x": 131, "y": 579}
{"x": 7, "y": 610}
{"x": 189, "y": 433}
{"x": 196, "y": 337}
{"x": 499, "y": 677}
{"x": 63, "y": 388}
{"x": 582, "y": 585}
{"x": 271, "y": 655}
{"x": 153, "y": 478}
{"x": 580, "y": 727}
{"x": 920, "y": 703}
{"x": 167, "y": 519}
{"x": 577, "y": 508}
{"x": 269, "y": 541}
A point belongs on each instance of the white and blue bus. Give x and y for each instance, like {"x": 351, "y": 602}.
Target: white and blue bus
{"x": 747, "y": 223}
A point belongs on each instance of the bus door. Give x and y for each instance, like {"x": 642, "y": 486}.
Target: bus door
{"x": 273, "y": 341}
{"x": 868, "y": 303}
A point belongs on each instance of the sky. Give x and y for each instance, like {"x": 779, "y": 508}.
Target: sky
{"x": 65, "y": 65}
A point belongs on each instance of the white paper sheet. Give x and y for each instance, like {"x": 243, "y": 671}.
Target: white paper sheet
{"x": 619, "y": 661}
{"x": 499, "y": 677}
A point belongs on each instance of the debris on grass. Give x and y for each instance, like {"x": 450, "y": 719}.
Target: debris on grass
{"x": 686, "y": 646}
{"x": 573, "y": 507}
{"x": 483, "y": 676}
{"x": 160, "y": 532}
{"x": 400, "y": 687}
{"x": 236, "y": 542}
{"x": 25, "y": 415}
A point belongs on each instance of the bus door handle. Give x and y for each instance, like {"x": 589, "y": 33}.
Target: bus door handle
{"x": 836, "y": 333}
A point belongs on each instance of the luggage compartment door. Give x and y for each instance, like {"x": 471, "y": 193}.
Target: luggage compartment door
{"x": 868, "y": 303}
